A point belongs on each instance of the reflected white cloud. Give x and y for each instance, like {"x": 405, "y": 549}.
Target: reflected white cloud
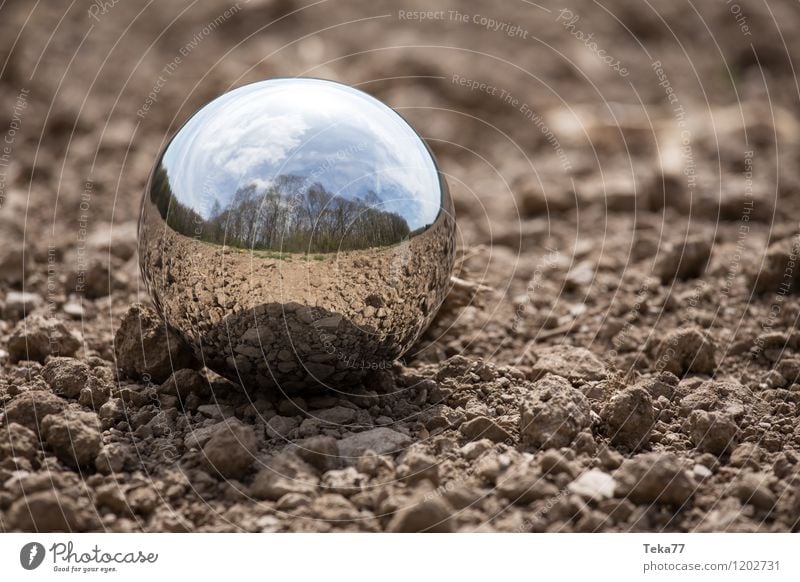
{"x": 324, "y": 133}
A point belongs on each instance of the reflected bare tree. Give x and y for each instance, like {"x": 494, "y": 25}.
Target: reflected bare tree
{"x": 290, "y": 215}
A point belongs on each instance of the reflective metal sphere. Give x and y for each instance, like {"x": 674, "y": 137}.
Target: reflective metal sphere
{"x": 296, "y": 231}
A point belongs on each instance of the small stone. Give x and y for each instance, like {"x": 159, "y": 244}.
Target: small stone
{"x": 553, "y": 413}
{"x": 45, "y": 511}
{"x": 475, "y": 449}
{"x": 554, "y": 463}
{"x": 382, "y": 440}
{"x": 113, "y": 410}
{"x": 145, "y": 346}
{"x": 712, "y": 432}
{"x": 523, "y": 484}
{"x": 321, "y": 452}
{"x": 687, "y": 350}
{"x": 752, "y": 488}
{"x": 29, "y": 408}
{"x": 37, "y": 337}
{"x": 594, "y": 484}
{"x": 338, "y": 415}
{"x": 284, "y": 475}
{"x": 431, "y": 514}
{"x": 279, "y": 427}
{"x": 747, "y": 455}
{"x": 215, "y": 411}
{"x": 184, "y": 382}
{"x": 20, "y": 304}
{"x": 482, "y": 427}
{"x": 701, "y": 472}
{"x": 568, "y": 362}
{"x": 74, "y": 436}
{"x": 230, "y": 452}
{"x": 654, "y": 478}
{"x": 66, "y": 376}
{"x": 683, "y": 260}
{"x": 112, "y": 458}
{"x": 630, "y": 418}
{"x": 18, "y": 441}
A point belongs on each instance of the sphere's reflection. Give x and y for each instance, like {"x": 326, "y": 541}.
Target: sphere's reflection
{"x": 296, "y": 230}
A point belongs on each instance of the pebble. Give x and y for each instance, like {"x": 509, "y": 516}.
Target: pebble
{"x": 553, "y": 413}
{"x": 484, "y": 427}
{"x": 74, "y": 436}
{"x": 230, "y": 452}
{"x": 429, "y": 514}
{"x": 382, "y": 440}
{"x": 37, "y": 337}
{"x": 594, "y": 484}
{"x": 712, "y": 432}
{"x": 753, "y": 488}
{"x": 569, "y": 362}
{"x": 20, "y": 304}
{"x": 654, "y": 478}
{"x": 630, "y": 418}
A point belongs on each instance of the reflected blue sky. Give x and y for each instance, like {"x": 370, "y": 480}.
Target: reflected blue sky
{"x": 324, "y": 132}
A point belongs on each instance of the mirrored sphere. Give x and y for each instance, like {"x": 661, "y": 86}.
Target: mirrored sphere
{"x": 296, "y": 232}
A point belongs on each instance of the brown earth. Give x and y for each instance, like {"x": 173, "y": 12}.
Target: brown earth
{"x": 619, "y": 351}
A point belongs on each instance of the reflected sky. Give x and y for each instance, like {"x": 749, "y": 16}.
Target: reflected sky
{"x": 324, "y": 132}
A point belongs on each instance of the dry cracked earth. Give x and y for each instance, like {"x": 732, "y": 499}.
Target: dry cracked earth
{"x": 619, "y": 349}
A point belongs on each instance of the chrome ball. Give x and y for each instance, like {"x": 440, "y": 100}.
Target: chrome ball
{"x": 296, "y": 231}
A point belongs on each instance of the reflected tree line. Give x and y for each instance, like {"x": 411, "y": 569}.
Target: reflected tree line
{"x": 290, "y": 216}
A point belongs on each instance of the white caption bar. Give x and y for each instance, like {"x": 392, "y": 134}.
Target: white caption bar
{"x": 356, "y": 557}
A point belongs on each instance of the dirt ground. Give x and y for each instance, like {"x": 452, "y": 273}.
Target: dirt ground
{"x": 619, "y": 350}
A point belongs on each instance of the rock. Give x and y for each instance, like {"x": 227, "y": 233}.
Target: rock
{"x": 687, "y": 350}
{"x": 13, "y": 261}
{"x": 74, "y": 436}
{"x": 554, "y": 463}
{"x": 112, "y": 458}
{"x": 482, "y": 427}
{"x": 417, "y": 466}
{"x": 18, "y": 441}
{"x": 321, "y": 452}
{"x": 729, "y": 398}
{"x": 553, "y": 413}
{"x": 29, "y": 408}
{"x": 230, "y": 452}
{"x": 144, "y": 346}
{"x": 184, "y": 382}
{"x": 747, "y": 455}
{"x": 113, "y": 410}
{"x": 216, "y": 411}
{"x": 338, "y": 415}
{"x": 777, "y": 270}
{"x": 37, "y": 337}
{"x": 430, "y": 514}
{"x": 594, "y": 484}
{"x": 753, "y": 488}
{"x": 66, "y": 376}
{"x": 45, "y": 511}
{"x": 712, "y": 432}
{"x": 683, "y": 260}
{"x": 284, "y": 475}
{"x": 347, "y": 481}
{"x": 663, "y": 385}
{"x": 382, "y": 440}
{"x": 568, "y": 362}
{"x": 279, "y": 427}
{"x": 654, "y": 478}
{"x": 196, "y": 438}
{"x": 630, "y": 417}
{"x": 523, "y": 484}
{"x": 20, "y": 304}
{"x": 475, "y": 449}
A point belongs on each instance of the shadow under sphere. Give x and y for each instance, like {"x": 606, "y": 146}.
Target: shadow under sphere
{"x": 296, "y": 232}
